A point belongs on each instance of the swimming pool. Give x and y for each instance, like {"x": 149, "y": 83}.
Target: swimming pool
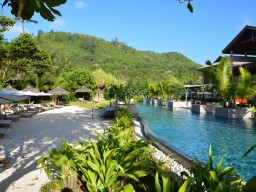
{"x": 193, "y": 133}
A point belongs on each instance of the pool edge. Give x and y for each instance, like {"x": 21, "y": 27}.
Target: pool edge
{"x": 169, "y": 150}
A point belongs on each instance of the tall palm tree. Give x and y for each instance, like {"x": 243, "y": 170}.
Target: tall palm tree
{"x": 23, "y": 22}
{"x": 221, "y": 78}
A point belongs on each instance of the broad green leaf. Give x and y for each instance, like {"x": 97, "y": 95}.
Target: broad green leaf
{"x": 157, "y": 183}
{"x": 249, "y": 150}
{"x": 250, "y": 185}
{"x": 128, "y": 188}
{"x": 186, "y": 185}
{"x": 214, "y": 176}
{"x": 166, "y": 182}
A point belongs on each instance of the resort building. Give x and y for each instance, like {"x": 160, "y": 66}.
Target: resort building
{"x": 241, "y": 51}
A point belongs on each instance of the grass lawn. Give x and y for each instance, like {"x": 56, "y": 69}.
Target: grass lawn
{"x": 83, "y": 104}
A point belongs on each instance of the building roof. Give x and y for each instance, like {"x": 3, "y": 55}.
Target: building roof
{"x": 237, "y": 61}
{"x": 244, "y": 43}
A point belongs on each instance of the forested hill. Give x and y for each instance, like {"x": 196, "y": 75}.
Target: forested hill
{"x": 115, "y": 57}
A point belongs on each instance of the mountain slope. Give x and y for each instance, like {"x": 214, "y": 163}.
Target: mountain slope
{"x": 116, "y": 57}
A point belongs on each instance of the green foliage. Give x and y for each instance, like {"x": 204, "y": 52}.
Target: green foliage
{"x": 75, "y": 78}
{"x": 23, "y": 61}
{"x": 5, "y": 24}
{"x": 221, "y": 78}
{"x": 115, "y": 162}
{"x": 26, "y": 9}
{"x": 123, "y": 112}
{"x": 169, "y": 89}
{"x": 246, "y": 84}
{"x": 225, "y": 84}
{"x": 102, "y": 104}
{"x": 52, "y": 185}
{"x": 166, "y": 183}
{"x": 117, "y": 58}
{"x": 104, "y": 80}
{"x": 125, "y": 92}
{"x": 208, "y": 178}
{"x": 63, "y": 162}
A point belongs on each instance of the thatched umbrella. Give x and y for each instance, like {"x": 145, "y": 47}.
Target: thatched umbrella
{"x": 31, "y": 89}
{"x": 83, "y": 90}
{"x": 9, "y": 88}
{"x": 58, "y": 91}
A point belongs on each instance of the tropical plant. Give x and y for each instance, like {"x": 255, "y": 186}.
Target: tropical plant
{"x": 75, "y": 78}
{"x": 221, "y": 79}
{"x": 26, "y": 9}
{"x": 116, "y": 162}
{"x": 125, "y": 93}
{"x": 246, "y": 84}
{"x": 104, "y": 80}
{"x": 210, "y": 178}
{"x": 60, "y": 165}
{"x": 5, "y": 24}
{"x": 102, "y": 104}
{"x": 23, "y": 61}
{"x": 23, "y": 22}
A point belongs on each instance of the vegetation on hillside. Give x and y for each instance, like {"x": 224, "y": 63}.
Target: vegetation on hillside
{"x": 116, "y": 57}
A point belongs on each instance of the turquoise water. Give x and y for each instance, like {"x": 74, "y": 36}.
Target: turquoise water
{"x": 192, "y": 134}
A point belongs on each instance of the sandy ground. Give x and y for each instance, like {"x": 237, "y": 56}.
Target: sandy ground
{"x": 30, "y": 138}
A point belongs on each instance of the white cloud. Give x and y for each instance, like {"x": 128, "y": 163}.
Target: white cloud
{"x": 80, "y": 4}
{"x": 58, "y": 24}
{"x": 16, "y": 30}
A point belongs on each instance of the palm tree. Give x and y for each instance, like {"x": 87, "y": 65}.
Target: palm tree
{"x": 23, "y": 22}
{"x": 246, "y": 84}
{"x": 222, "y": 79}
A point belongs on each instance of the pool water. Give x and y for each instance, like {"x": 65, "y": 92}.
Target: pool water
{"x": 193, "y": 133}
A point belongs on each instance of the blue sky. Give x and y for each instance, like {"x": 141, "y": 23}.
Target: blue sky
{"x": 159, "y": 26}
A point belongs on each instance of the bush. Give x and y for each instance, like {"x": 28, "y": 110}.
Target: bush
{"x": 116, "y": 162}
{"x": 102, "y": 104}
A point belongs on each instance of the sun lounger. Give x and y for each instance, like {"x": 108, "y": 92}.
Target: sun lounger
{"x": 5, "y": 123}
{"x": 22, "y": 114}
{"x": 12, "y": 117}
{"x": 45, "y": 106}
{"x": 9, "y": 117}
{"x": 26, "y": 110}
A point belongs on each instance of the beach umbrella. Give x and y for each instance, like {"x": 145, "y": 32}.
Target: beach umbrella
{"x": 44, "y": 94}
{"x": 30, "y": 89}
{"x": 11, "y": 97}
{"x": 58, "y": 91}
{"x": 9, "y": 88}
{"x": 83, "y": 90}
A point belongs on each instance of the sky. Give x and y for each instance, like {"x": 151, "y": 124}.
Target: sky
{"x": 158, "y": 26}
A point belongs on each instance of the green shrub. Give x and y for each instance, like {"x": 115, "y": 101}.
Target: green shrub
{"x": 51, "y": 186}
{"x": 102, "y": 104}
{"x": 60, "y": 165}
{"x": 208, "y": 178}
{"x": 116, "y": 162}
{"x": 123, "y": 112}
{"x": 253, "y": 110}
